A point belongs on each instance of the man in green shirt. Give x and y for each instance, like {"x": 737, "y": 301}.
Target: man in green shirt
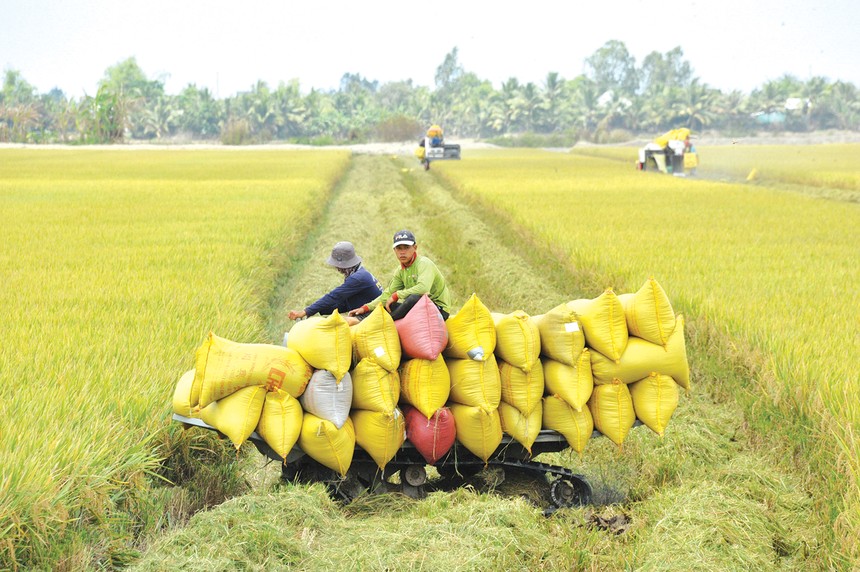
{"x": 417, "y": 275}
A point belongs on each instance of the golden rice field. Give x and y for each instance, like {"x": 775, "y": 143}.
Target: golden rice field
{"x": 777, "y": 272}
{"x": 833, "y": 166}
{"x": 113, "y": 265}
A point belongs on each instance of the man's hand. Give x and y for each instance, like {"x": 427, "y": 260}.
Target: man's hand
{"x": 358, "y": 311}
{"x": 391, "y": 300}
{"x": 296, "y": 314}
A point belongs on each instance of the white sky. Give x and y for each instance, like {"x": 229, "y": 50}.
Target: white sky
{"x": 228, "y": 46}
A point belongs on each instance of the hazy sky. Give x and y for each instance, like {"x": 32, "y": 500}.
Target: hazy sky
{"x": 228, "y": 46}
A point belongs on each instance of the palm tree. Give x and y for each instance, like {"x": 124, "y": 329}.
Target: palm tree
{"x": 699, "y": 107}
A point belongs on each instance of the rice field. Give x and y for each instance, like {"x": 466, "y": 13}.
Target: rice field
{"x": 115, "y": 264}
{"x": 776, "y": 271}
{"x": 817, "y": 167}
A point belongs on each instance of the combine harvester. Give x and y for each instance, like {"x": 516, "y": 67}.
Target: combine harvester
{"x": 432, "y": 147}
{"x": 561, "y": 487}
{"x": 672, "y": 153}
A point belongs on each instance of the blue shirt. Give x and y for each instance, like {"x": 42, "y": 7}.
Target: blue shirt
{"x": 357, "y": 290}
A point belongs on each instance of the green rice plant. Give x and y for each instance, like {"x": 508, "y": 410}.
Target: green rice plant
{"x": 774, "y": 271}
{"x": 115, "y": 265}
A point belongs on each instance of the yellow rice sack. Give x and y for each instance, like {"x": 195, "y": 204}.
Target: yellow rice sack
{"x": 182, "y": 395}
{"x": 517, "y": 339}
{"x": 324, "y": 342}
{"x": 479, "y": 430}
{"x": 237, "y": 414}
{"x": 425, "y": 384}
{"x": 280, "y": 422}
{"x": 649, "y": 313}
{"x": 223, "y": 366}
{"x": 523, "y": 390}
{"x": 655, "y": 399}
{"x": 380, "y": 434}
{"x": 641, "y": 358}
{"x": 374, "y": 388}
{"x": 561, "y": 335}
{"x": 524, "y": 428}
{"x": 471, "y": 331}
{"x": 576, "y": 426}
{"x": 573, "y": 384}
{"x": 475, "y": 383}
{"x": 326, "y": 444}
{"x": 376, "y": 338}
{"x": 612, "y": 409}
{"x": 604, "y": 323}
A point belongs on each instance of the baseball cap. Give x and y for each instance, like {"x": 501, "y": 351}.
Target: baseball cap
{"x": 343, "y": 256}
{"x": 404, "y": 237}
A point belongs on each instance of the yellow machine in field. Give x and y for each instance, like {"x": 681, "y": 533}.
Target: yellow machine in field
{"x": 432, "y": 147}
{"x": 671, "y": 153}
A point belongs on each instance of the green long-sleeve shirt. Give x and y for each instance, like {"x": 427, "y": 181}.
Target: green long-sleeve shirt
{"x": 420, "y": 277}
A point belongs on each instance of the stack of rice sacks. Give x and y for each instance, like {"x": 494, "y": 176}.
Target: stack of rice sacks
{"x": 518, "y": 348}
{"x": 327, "y": 433}
{"x": 568, "y": 383}
{"x": 238, "y": 388}
{"x": 475, "y": 382}
{"x": 639, "y": 359}
{"x": 380, "y": 427}
{"x": 425, "y": 383}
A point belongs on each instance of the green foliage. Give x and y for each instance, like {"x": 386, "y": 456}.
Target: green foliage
{"x": 236, "y": 132}
{"x": 397, "y": 128}
{"x": 614, "y": 94}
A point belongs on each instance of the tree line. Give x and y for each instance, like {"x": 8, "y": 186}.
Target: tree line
{"x": 613, "y": 99}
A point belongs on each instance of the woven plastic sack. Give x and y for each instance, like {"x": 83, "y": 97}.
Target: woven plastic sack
{"x": 182, "y": 395}
{"x": 380, "y": 434}
{"x": 280, "y": 422}
{"x": 604, "y": 323}
{"x": 223, "y": 366}
{"x": 328, "y": 399}
{"x": 432, "y": 437}
{"x": 475, "y": 383}
{"x": 523, "y": 428}
{"x": 517, "y": 339}
{"x": 471, "y": 332}
{"x": 324, "y": 342}
{"x": 655, "y": 399}
{"x": 573, "y": 384}
{"x": 422, "y": 331}
{"x": 236, "y": 415}
{"x": 376, "y": 338}
{"x": 479, "y": 430}
{"x": 523, "y": 390}
{"x": 374, "y": 388}
{"x": 326, "y": 444}
{"x": 425, "y": 384}
{"x": 612, "y": 409}
{"x": 649, "y": 313}
{"x": 576, "y": 426}
{"x": 641, "y": 358}
{"x": 561, "y": 335}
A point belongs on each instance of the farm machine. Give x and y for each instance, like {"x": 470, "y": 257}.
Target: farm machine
{"x": 671, "y": 153}
{"x": 432, "y": 147}
{"x": 407, "y": 472}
